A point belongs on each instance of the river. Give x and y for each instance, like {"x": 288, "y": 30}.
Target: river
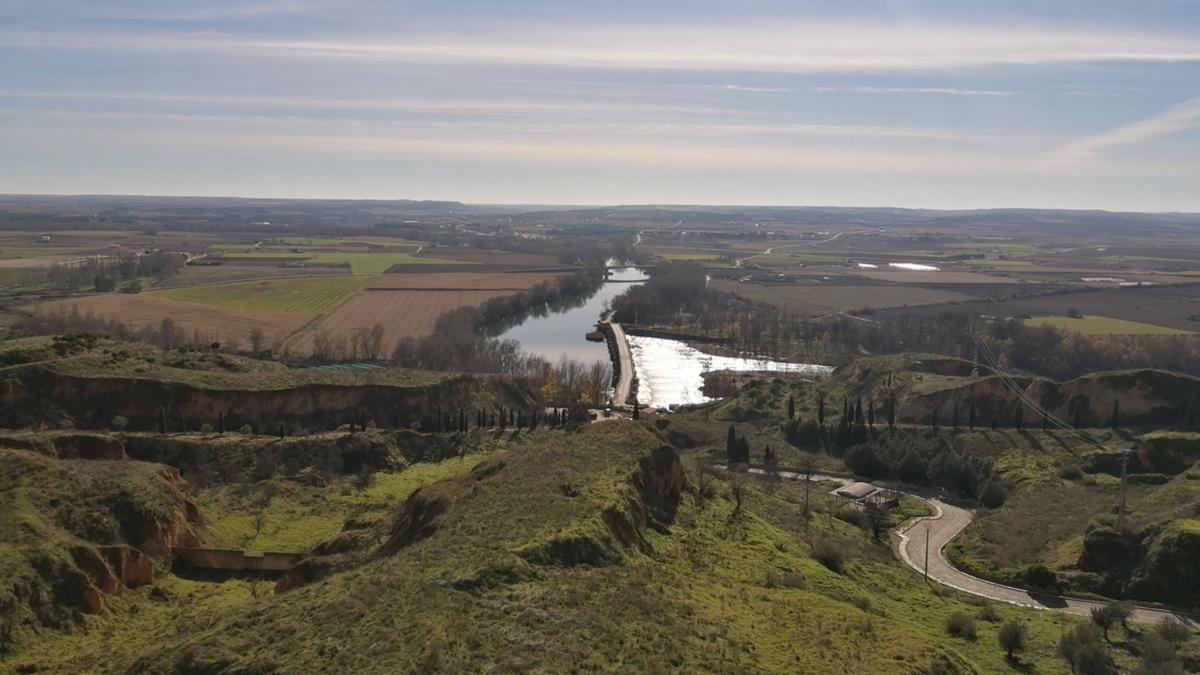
{"x": 669, "y": 371}
{"x": 555, "y": 334}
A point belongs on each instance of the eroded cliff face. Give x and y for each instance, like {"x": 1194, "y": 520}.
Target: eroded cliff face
{"x": 81, "y": 531}
{"x": 1144, "y": 397}
{"x": 39, "y": 396}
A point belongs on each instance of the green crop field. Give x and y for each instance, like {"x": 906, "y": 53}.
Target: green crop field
{"x": 302, "y": 295}
{"x": 1102, "y": 325}
{"x": 999, "y": 262}
{"x": 360, "y": 263}
{"x": 689, "y": 256}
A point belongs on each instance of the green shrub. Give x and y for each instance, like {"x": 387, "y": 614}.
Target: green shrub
{"x": 1039, "y": 576}
{"x": 1070, "y": 472}
{"x": 961, "y": 625}
{"x": 829, "y": 553}
{"x": 1012, "y": 637}
{"x": 992, "y": 495}
{"x": 988, "y": 613}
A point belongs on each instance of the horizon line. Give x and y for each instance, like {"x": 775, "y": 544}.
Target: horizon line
{"x": 566, "y": 205}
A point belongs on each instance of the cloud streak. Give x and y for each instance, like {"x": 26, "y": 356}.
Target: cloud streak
{"x": 948, "y": 91}
{"x": 802, "y": 47}
{"x": 1179, "y": 117}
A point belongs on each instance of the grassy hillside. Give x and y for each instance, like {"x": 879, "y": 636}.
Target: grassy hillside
{"x": 66, "y": 532}
{"x": 566, "y": 553}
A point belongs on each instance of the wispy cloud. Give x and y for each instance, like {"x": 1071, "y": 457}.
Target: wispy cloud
{"x": 411, "y": 104}
{"x": 757, "y": 90}
{"x": 807, "y": 47}
{"x": 949, "y": 91}
{"x": 1178, "y": 117}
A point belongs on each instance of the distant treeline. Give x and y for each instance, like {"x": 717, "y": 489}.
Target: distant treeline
{"x": 99, "y": 273}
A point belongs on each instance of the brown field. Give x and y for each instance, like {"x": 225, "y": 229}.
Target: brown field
{"x": 217, "y": 323}
{"x": 459, "y": 281}
{"x": 196, "y": 275}
{"x": 945, "y": 276}
{"x": 494, "y": 258}
{"x": 402, "y": 313}
{"x": 838, "y": 297}
{"x": 1168, "y": 306}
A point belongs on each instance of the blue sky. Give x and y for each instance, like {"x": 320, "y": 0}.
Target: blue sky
{"x": 938, "y": 104}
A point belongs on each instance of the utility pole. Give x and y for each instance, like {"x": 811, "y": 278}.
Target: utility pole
{"x": 927, "y": 551}
{"x": 1125, "y": 452}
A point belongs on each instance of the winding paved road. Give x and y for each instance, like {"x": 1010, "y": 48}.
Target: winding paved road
{"x": 943, "y": 526}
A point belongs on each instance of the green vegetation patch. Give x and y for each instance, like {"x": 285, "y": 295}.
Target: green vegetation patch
{"x": 360, "y": 263}
{"x": 1102, "y": 325}
{"x": 288, "y": 515}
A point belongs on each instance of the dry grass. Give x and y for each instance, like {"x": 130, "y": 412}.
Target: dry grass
{"x": 459, "y": 281}
{"x": 146, "y": 310}
{"x": 402, "y": 313}
{"x": 837, "y": 297}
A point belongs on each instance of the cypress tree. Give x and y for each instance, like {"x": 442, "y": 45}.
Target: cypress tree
{"x": 971, "y": 416}
{"x": 933, "y": 419}
{"x": 182, "y": 423}
{"x": 1116, "y": 414}
{"x": 533, "y": 418}
{"x": 871, "y": 413}
{"x": 891, "y": 411}
{"x": 954, "y": 417}
{"x": 282, "y": 431}
{"x": 1019, "y": 416}
{"x": 995, "y": 422}
{"x": 637, "y": 415}
{"x": 1077, "y": 420}
{"x": 1045, "y": 422}
{"x": 221, "y": 423}
{"x": 821, "y": 409}
{"x": 858, "y": 414}
{"x": 731, "y": 446}
{"x": 791, "y": 407}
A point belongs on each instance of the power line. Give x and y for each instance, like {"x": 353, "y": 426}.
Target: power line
{"x": 1024, "y": 396}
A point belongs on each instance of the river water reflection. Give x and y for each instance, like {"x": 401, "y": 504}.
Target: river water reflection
{"x": 669, "y": 371}
{"x": 554, "y": 334}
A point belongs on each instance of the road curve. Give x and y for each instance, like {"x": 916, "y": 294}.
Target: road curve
{"x": 943, "y": 526}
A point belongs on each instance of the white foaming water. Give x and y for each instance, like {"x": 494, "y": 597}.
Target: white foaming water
{"x": 915, "y": 267}
{"x": 867, "y": 266}
{"x": 670, "y": 372}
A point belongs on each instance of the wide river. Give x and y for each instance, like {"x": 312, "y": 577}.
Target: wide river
{"x": 669, "y": 371}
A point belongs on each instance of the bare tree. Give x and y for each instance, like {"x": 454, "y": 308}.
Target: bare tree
{"x": 258, "y": 340}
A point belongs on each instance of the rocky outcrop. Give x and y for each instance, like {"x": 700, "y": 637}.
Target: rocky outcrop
{"x": 93, "y": 402}
{"x": 1156, "y": 564}
{"x": 1144, "y": 396}
{"x": 130, "y": 566}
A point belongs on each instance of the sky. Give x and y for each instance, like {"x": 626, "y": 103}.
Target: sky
{"x": 932, "y": 103}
